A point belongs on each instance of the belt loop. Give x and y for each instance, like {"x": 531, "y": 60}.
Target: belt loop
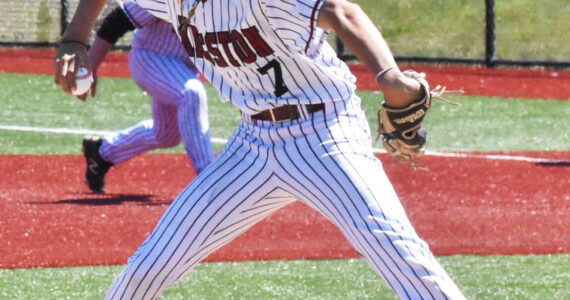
{"x": 246, "y": 117}
{"x": 303, "y": 111}
{"x": 272, "y": 115}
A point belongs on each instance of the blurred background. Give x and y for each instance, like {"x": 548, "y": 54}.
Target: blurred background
{"x": 489, "y": 32}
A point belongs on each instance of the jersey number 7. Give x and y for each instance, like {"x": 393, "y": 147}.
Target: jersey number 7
{"x": 280, "y": 87}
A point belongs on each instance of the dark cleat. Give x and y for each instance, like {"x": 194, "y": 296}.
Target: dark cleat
{"x": 97, "y": 167}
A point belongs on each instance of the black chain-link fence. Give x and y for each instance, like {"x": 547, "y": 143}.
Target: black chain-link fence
{"x": 490, "y": 57}
{"x": 25, "y": 23}
{"x": 40, "y": 23}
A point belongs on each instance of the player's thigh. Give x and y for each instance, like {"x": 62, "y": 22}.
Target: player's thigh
{"x": 166, "y": 78}
{"x": 366, "y": 189}
{"x": 334, "y": 170}
{"x": 228, "y": 197}
{"x": 165, "y": 118}
{"x": 357, "y": 196}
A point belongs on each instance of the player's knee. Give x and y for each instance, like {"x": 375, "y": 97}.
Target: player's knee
{"x": 168, "y": 139}
{"x": 194, "y": 90}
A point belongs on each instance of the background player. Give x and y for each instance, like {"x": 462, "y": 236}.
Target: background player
{"x": 303, "y": 135}
{"x": 160, "y": 66}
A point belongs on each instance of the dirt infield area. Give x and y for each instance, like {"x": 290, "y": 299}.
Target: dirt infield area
{"x": 481, "y": 204}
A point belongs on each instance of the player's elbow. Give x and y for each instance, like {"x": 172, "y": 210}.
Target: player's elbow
{"x": 339, "y": 14}
{"x": 351, "y": 12}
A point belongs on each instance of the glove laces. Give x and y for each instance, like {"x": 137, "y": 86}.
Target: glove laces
{"x": 435, "y": 93}
{"x": 438, "y": 92}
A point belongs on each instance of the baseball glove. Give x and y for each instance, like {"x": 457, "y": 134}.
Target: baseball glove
{"x": 401, "y": 128}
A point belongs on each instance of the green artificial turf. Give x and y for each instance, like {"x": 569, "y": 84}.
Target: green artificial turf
{"x": 480, "y": 124}
{"x": 525, "y": 29}
{"x": 479, "y": 277}
{"x": 490, "y": 123}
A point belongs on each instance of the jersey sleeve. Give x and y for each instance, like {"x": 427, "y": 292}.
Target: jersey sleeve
{"x": 136, "y": 14}
{"x": 156, "y": 8}
{"x": 115, "y": 25}
{"x": 295, "y": 22}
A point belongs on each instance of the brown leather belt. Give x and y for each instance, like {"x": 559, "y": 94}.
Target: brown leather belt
{"x": 286, "y": 112}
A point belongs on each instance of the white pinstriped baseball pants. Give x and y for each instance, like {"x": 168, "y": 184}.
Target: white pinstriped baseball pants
{"x": 326, "y": 162}
{"x": 179, "y": 112}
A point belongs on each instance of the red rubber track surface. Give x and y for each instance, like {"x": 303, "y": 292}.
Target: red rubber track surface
{"x": 461, "y": 205}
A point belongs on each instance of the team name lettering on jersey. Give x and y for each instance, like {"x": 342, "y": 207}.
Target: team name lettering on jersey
{"x": 224, "y": 48}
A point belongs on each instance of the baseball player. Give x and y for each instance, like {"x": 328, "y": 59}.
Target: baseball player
{"x": 303, "y": 135}
{"x": 160, "y": 66}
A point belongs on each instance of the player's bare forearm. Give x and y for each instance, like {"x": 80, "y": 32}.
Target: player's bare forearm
{"x": 97, "y": 53}
{"x": 72, "y": 53}
{"x": 356, "y": 30}
{"x": 84, "y": 19}
{"x": 99, "y": 50}
{"x": 361, "y": 36}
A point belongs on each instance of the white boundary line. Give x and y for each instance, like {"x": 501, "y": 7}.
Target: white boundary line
{"x": 224, "y": 141}
{"x": 54, "y": 130}
{"x": 483, "y": 156}
{"x": 75, "y": 131}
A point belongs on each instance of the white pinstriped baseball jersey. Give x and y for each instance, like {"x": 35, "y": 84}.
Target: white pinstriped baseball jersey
{"x": 267, "y": 54}
{"x": 323, "y": 158}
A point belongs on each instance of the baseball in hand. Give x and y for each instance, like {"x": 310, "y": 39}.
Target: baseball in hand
{"x": 83, "y": 81}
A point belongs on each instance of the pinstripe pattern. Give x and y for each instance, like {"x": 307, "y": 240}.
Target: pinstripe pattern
{"x": 243, "y": 85}
{"x": 159, "y": 65}
{"x": 153, "y": 34}
{"x": 324, "y": 159}
{"x": 315, "y": 161}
